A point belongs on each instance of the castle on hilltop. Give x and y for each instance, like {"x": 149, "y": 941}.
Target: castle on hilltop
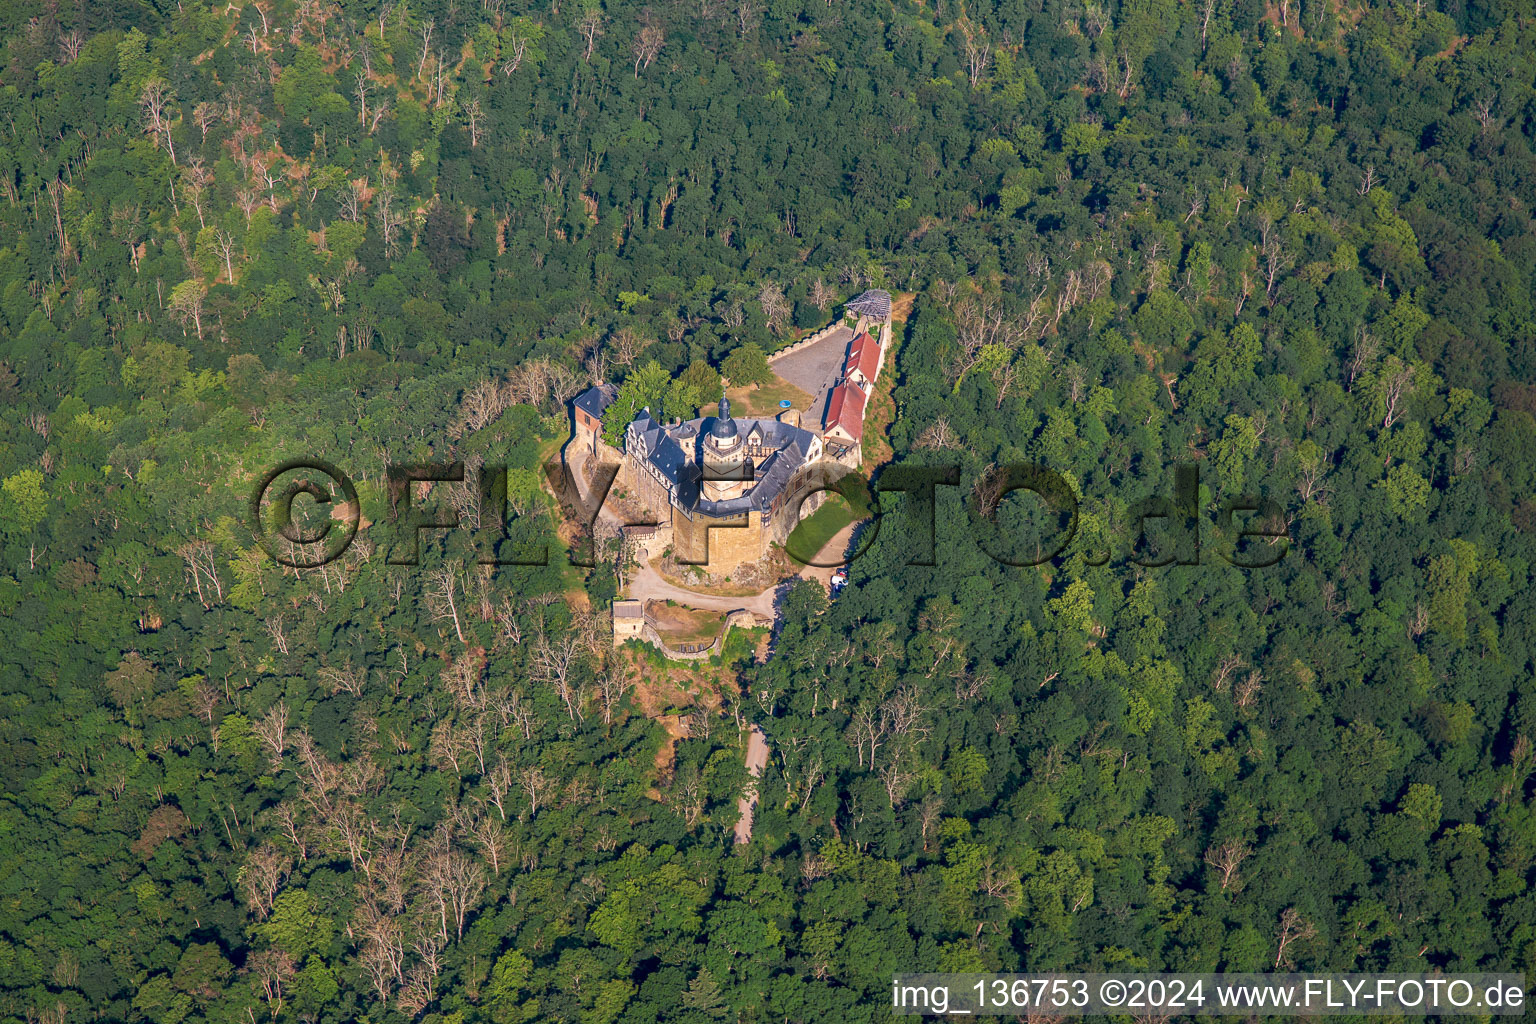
{"x": 722, "y": 488}
{"x": 718, "y": 486}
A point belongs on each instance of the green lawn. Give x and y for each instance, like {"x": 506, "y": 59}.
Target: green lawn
{"x": 764, "y": 401}
{"x": 813, "y": 532}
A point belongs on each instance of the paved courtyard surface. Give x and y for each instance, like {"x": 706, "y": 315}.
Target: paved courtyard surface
{"x": 815, "y": 370}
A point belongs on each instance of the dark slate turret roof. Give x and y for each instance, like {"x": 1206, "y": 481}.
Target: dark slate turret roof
{"x": 723, "y": 427}
{"x": 874, "y": 303}
{"x": 595, "y": 401}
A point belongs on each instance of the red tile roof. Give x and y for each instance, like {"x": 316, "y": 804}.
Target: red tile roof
{"x": 845, "y": 409}
{"x": 864, "y": 356}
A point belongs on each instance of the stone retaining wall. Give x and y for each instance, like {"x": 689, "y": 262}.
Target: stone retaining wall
{"x": 806, "y": 342}
{"x": 691, "y": 652}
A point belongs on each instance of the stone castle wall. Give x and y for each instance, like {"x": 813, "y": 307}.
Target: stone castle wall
{"x": 724, "y": 545}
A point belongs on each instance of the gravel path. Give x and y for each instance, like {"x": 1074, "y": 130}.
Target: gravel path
{"x": 647, "y": 584}
{"x": 757, "y": 760}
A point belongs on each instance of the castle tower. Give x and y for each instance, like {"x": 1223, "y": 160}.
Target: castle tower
{"x": 727, "y": 473}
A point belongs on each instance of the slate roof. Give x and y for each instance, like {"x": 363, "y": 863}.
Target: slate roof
{"x": 864, "y": 356}
{"x": 773, "y": 476}
{"x": 595, "y": 401}
{"x": 874, "y": 303}
{"x": 673, "y": 453}
{"x": 845, "y": 408}
{"x": 655, "y": 445}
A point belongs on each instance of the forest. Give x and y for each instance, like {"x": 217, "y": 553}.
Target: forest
{"x": 1287, "y": 242}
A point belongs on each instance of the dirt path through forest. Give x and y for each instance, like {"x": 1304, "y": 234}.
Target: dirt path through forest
{"x": 757, "y": 760}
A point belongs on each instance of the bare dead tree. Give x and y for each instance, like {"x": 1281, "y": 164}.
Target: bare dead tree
{"x": 474, "y": 119}
{"x": 776, "y": 306}
{"x": 289, "y": 827}
{"x": 939, "y": 436}
{"x": 345, "y": 679}
{"x": 440, "y": 70}
{"x": 449, "y": 746}
{"x": 732, "y": 314}
{"x": 1004, "y": 376}
{"x": 1293, "y": 929}
{"x": 157, "y": 102}
{"x": 564, "y": 383}
{"x": 1221, "y": 679}
{"x": 205, "y": 700}
{"x": 462, "y": 680}
{"x": 516, "y": 51}
{"x": 226, "y": 245}
{"x": 350, "y": 198}
{"x": 591, "y": 28}
{"x": 273, "y": 626}
{"x": 362, "y": 98}
{"x": 492, "y": 839}
{"x": 648, "y": 43}
{"x": 70, "y": 44}
{"x": 205, "y": 115}
{"x": 988, "y": 490}
{"x": 498, "y": 783}
{"x": 687, "y": 794}
{"x": 905, "y": 714}
{"x": 928, "y": 816}
{"x": 202, "y": 571}
{"x": 382, "y": 953}
{"x": 747, "y": 12}
{"x": 1247, "y": 692}
{"x": 1368, "y": 180}
{"x": 1396, "y": 385}
{"x": 272, "y": 729}
{"x": 454, "y": 882}
{"x": 1276, "y": 260}
{"x": 868, "y": 731}
{"x": 426, "y": 45}
{"x": 1225, "y": 859}
{"x": 442, "y": 593}
{"x": 897, "y": 776}
{"x": 248, "y": 201}
{"x": 980, "y": 323}
{"x": 978, "y": 51}
{"x": 611, "y": 688}
{"x": 1127, "y": 74}
{"x": 822, "y": 295}
{"x": 555, "y": 663}
{"x": 627, "y": 344}
{"x": 261, "y": 876}
{"x": 1196, "y": 205}
{"x": 1487, "y": 119}
{"x": 272, "y": 969}
{"x": 537, "y": 786}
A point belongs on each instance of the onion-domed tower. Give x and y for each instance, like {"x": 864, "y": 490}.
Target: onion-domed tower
{"x": 726, "y": 469}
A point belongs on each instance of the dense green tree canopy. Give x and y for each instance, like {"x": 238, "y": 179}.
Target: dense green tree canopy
{"x": 1291, "y": 245}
